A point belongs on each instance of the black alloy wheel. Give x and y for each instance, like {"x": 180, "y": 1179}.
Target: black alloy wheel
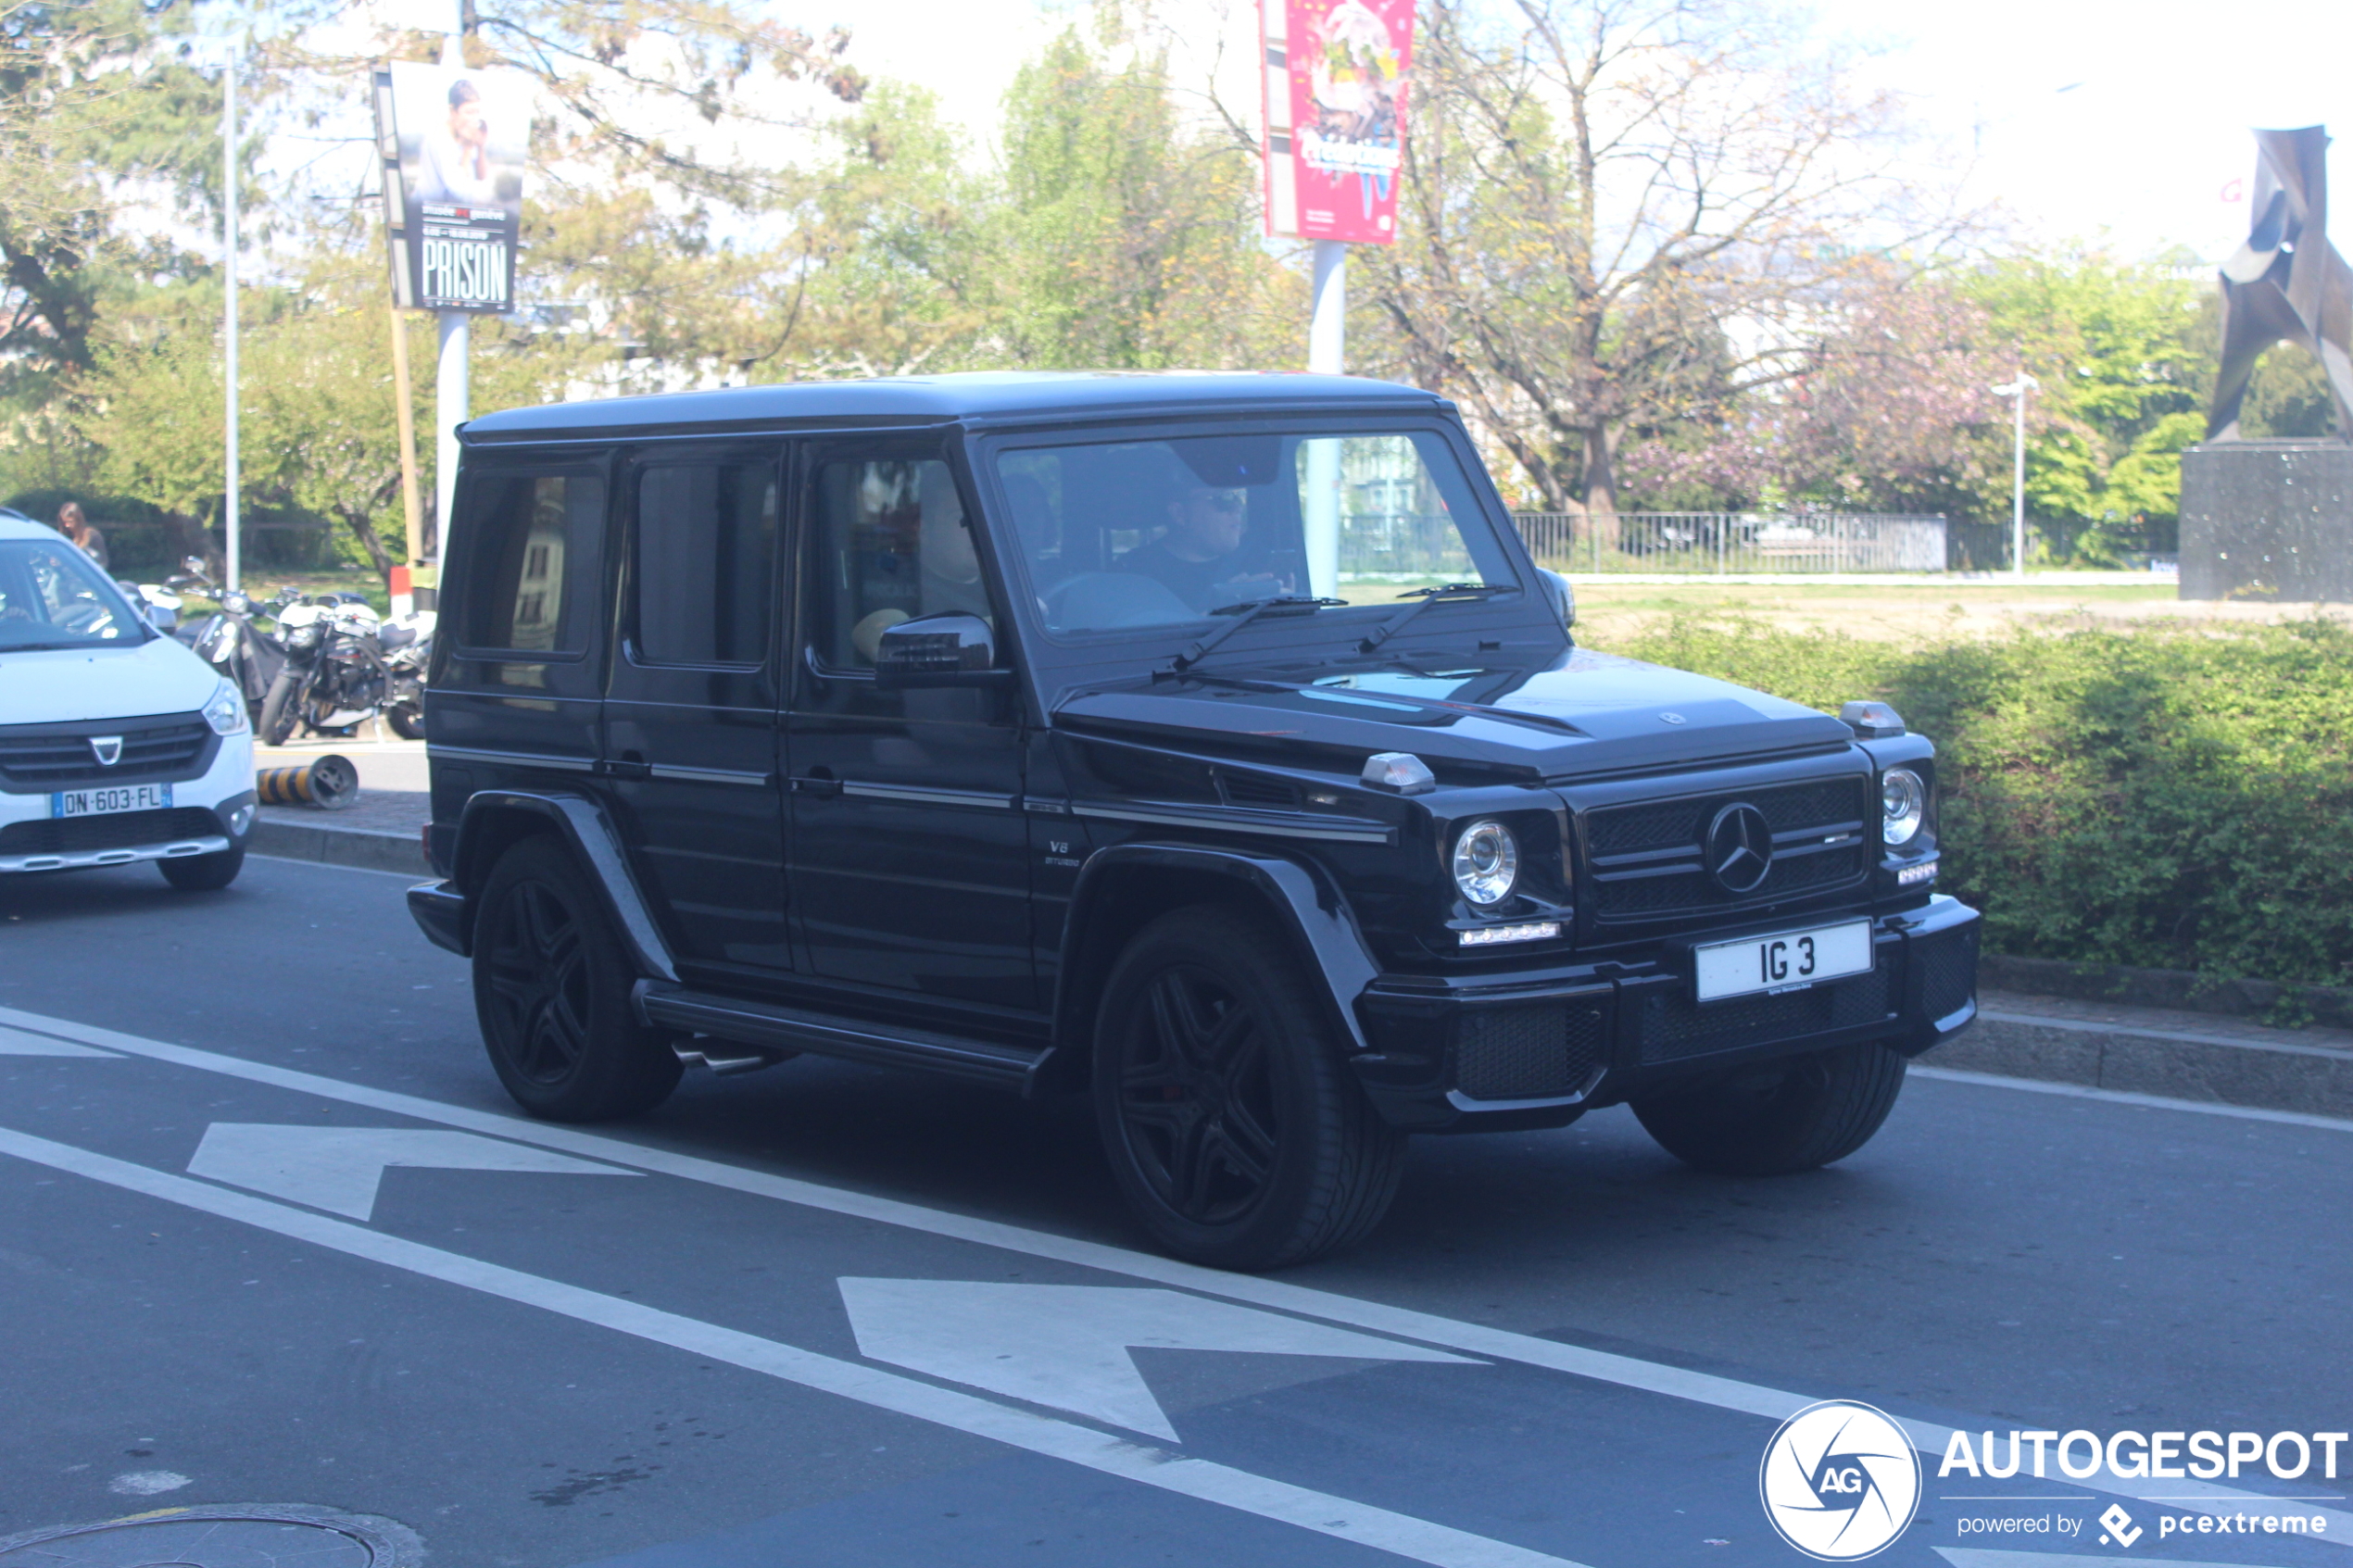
{"x": 538, "y": 970}
{"x": 551, "y": 991}
{"x": 1196, "y": 1097}
{"x": 1230, "y": 1121}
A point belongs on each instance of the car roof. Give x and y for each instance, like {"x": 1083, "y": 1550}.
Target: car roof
{"x": 986, "y": 396}
{"x": 14, "y": 524}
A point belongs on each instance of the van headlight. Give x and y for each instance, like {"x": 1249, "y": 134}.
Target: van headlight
{"x": 1486, "y": 862}
{"x": 1903, "y": 806}
{"x": 226, "y": 712}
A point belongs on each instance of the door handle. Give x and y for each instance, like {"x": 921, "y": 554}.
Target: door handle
{"x": 628, "y": 765}
{"x": 816, "y": 786}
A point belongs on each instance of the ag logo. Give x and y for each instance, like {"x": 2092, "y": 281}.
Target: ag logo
{"x": 1840, "y": 1481}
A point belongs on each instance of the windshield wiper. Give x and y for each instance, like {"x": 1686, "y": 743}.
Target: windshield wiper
{"x": 1450, "y": 592}
{"x": 1244, "y": 614}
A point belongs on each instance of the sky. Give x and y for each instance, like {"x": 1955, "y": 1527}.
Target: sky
{"x": 2097, "y": 120}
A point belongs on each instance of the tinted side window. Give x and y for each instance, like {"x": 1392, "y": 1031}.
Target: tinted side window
{"x": 530, "y": 580}
{"x": 706, "y": 556}
{"x": 890, "y": 542}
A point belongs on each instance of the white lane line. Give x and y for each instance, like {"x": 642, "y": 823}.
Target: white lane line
{"x": 1477, "y": 1340}
{"x": 1401, "y": 1534}
{"x": 16, "y": 1042}
{"x": 2126, "y": 1097}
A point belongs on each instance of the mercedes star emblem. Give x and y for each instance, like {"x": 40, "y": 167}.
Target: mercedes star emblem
{"x": 1740, "y": 849}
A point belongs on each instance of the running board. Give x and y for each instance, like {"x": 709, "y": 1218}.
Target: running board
{"x": 777, "y": 1028}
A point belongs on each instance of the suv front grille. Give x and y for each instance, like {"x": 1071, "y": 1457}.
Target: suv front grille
{"x": 45, "y": 756}
{"x": 117, "y": 830}
{"x": 1648, "y": 859}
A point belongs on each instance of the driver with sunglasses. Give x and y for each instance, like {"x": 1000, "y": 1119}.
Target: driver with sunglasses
{"x": 1197, "y": 555}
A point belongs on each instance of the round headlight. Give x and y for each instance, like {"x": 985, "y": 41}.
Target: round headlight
{"x": 1486, "y": 862}
{"x": 1903, "y": 805}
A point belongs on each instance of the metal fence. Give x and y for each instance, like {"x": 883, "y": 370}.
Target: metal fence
{"x": 1716, "y": 543}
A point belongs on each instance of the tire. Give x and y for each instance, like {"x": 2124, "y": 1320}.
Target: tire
{"x": 281, "y": 710}
{"x": 1783, "y": 1117}
{"x": 203, "y": 873}
{"x": 1230, "y": 1123}
{"x": 551, "y": 992}
{"x": 407, "y": 723}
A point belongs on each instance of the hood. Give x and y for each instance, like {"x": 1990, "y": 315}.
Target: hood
{"x": 1590, "y": 713}
{"x": 62, "y": 685}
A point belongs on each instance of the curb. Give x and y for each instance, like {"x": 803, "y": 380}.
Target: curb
{"x": 2171, "y": 1063}
{"x": 353, "y": 848}
{"x": 2330, "y": 1005}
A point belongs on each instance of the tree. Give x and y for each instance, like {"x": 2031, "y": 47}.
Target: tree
{"x": 1596, "y": 196}
{"x": 1888, "y": 410}
{"x": 2125, "y": 369}
{"x": 1124, "y": 237}
{"x": 90, "y": 96}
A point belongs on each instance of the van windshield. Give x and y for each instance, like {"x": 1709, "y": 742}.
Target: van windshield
{"x": 1117, "y": 535}
{"x": 54, "y": 597}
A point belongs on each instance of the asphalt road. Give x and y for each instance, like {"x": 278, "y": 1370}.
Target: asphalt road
{"x": 270, "y": 1232}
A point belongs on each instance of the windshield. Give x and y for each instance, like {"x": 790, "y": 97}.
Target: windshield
{"x": 53, "y": 596}
{"x": 1118, "y": 536}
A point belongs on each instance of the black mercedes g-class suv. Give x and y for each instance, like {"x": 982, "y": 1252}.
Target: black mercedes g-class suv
{"x": 1209, "y": 744}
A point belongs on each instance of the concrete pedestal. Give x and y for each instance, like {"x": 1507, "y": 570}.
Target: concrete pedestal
{"x": 2267, "y": 519}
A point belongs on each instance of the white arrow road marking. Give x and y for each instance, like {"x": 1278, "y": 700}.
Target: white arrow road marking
{"x": 1066, "y": 1345}
{"x": 337, "y": 1169}
{"x": 1577, "y": 1360}
{"x": 1421, "y": 1539}
{"x": 16, "y": 1042}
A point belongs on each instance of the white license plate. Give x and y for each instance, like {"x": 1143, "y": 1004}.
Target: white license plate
{"x": 1784, "y": 962}
{"x": 107, "y": 798}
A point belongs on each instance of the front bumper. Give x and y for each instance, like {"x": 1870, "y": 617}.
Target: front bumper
{"x": 1541, "y": 1049}
{"x": 209, "y": 814}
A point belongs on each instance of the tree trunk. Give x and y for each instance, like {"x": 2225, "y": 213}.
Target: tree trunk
{"x": 365, "y": 532}
{"x": 1601, "y": 485}
{"x": 191, "y": 538}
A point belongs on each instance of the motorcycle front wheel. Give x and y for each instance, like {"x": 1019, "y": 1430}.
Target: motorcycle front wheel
{"x": 281, "y": 709}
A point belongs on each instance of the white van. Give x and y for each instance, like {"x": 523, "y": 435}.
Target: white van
{"x": 117, "y": 743}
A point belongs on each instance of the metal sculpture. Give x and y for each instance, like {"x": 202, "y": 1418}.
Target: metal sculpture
{"x": 2287, "y": 282}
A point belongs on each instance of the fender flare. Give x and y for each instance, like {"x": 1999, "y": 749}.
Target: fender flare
{"x": 1322, "y": 927}
{"x": 589, "y": 833}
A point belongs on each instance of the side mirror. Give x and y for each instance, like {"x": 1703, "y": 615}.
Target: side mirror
{"x": 192, "y": 565}
{"x": 938, "y": 650}
{"x": 1563, "y": 597}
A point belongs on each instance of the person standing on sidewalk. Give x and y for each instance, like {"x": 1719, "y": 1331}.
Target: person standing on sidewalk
{"x": 74, "y": 526}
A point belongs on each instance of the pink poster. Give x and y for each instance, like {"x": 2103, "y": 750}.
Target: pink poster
{"x": 1336, "y": 75}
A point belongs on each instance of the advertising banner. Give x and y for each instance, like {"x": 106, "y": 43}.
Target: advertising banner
{"x": 454, "y": 143}
{"x": 1334, "y": 99}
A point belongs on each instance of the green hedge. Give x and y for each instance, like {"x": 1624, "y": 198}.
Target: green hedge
{"x": 2169, "y": 798}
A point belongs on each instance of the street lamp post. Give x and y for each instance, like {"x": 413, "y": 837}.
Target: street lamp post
{"x": 232, "y": 551}
{"x": 2015, "y": 390}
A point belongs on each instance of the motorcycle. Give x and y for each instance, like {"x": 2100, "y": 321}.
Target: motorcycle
{"x": 228, "y": 638}
{"x": 157, "y": 603}
{"x": 334, "y": 675}
{"x": 407, "y": 641}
